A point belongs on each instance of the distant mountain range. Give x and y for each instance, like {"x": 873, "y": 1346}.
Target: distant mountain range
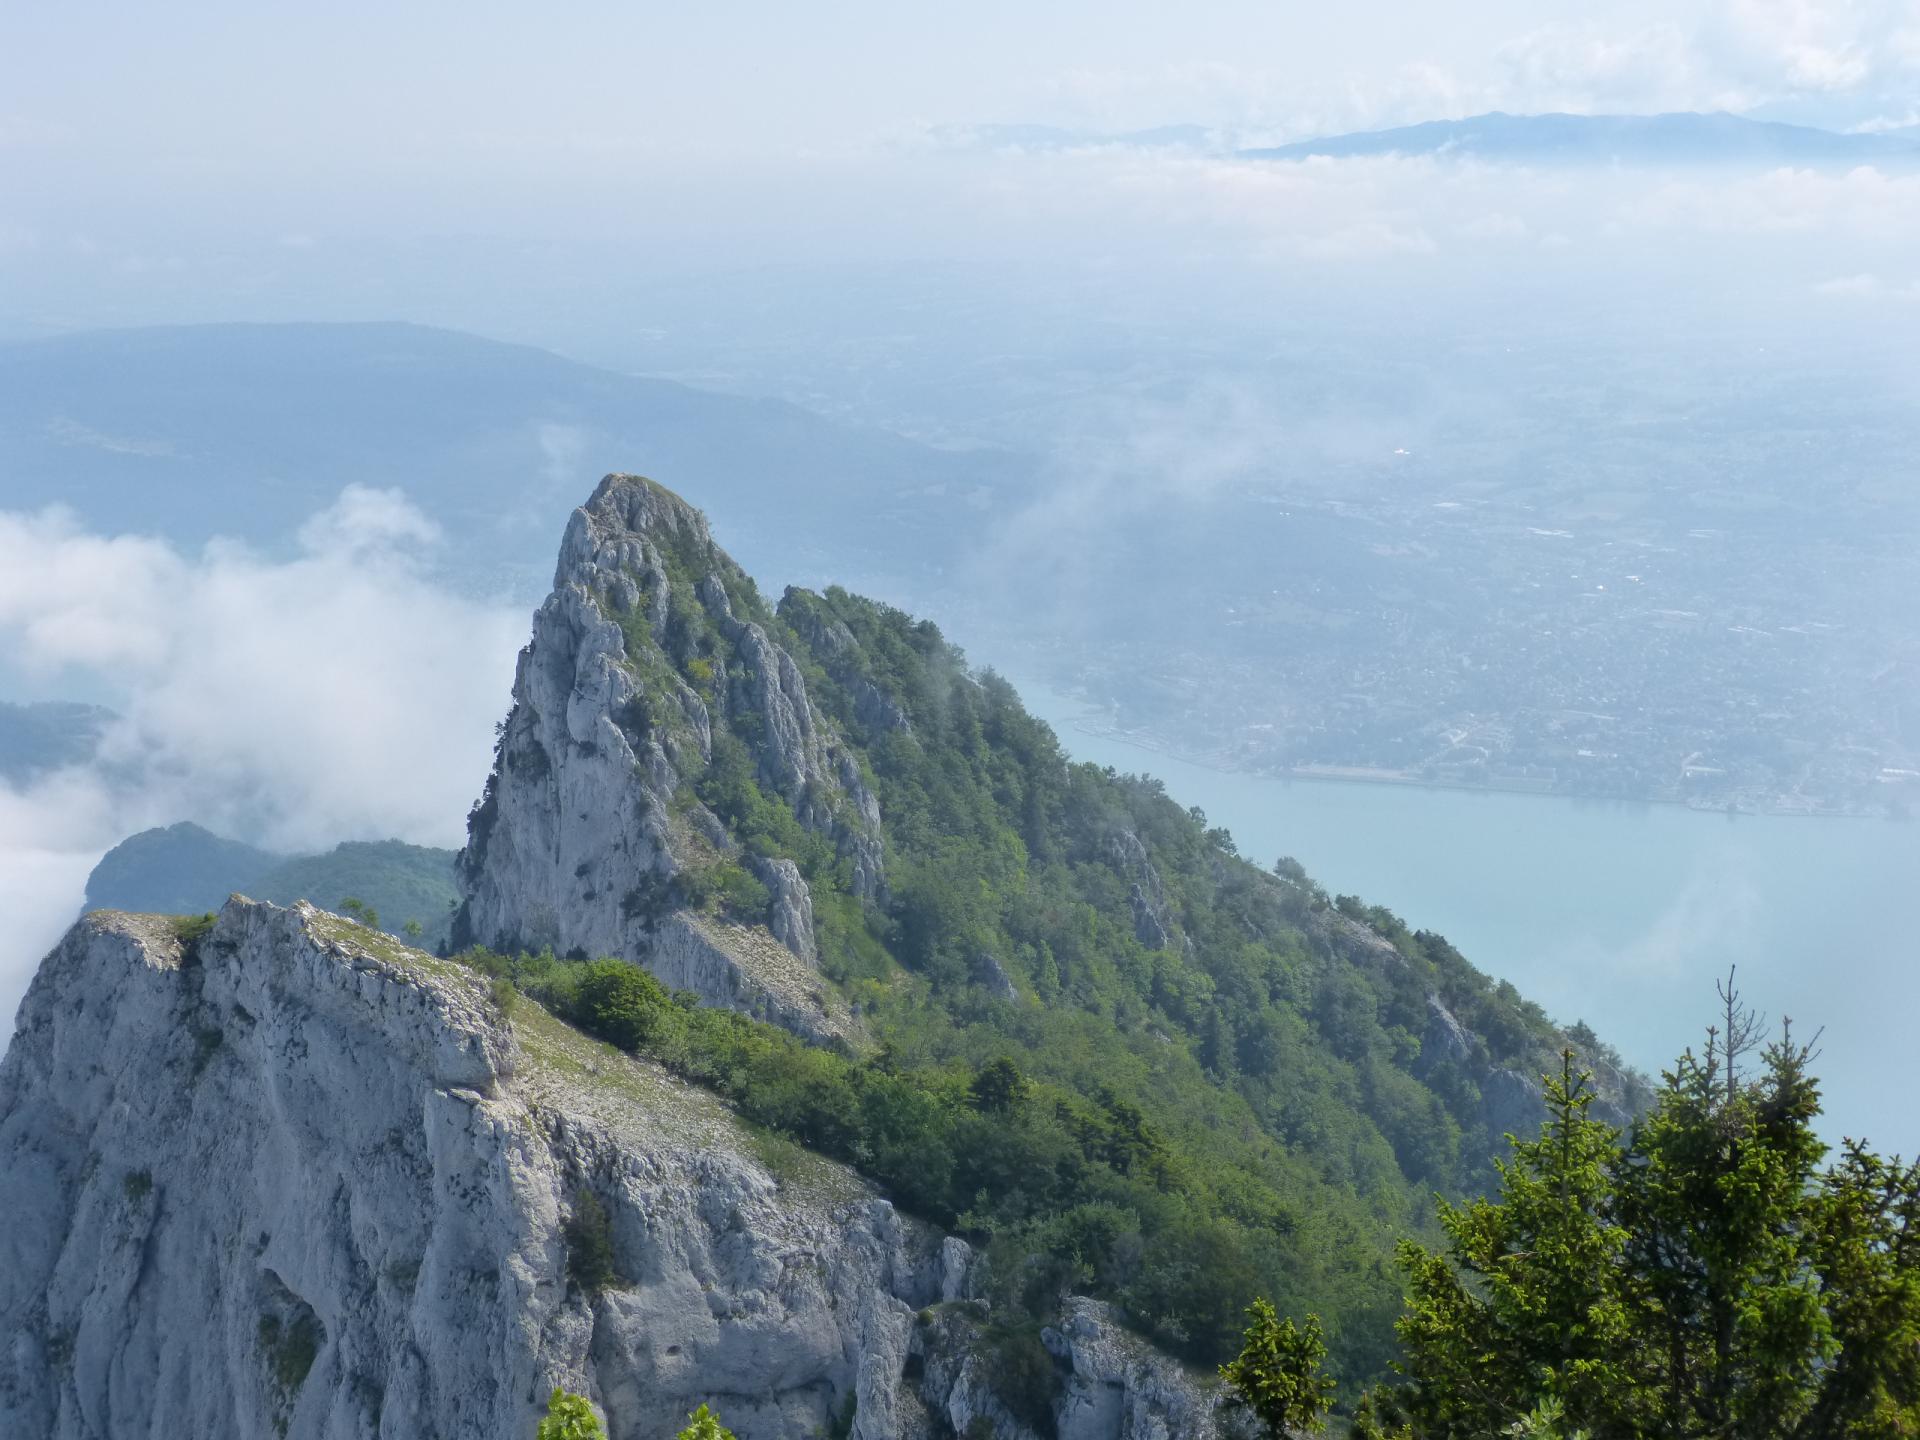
{"x": 1679, "y": 138}
{"x": 1684, "y": 138}
{"x": 246, "y": 430}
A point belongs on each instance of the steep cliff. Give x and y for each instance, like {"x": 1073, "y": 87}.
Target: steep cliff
{"x": 290, "y": 1177}
{"x": 593, "y": 836}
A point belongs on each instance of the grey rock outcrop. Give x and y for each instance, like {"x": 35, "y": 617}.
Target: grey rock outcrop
{"x": 791, "y": 915}
{"x": 1152, "y": 919}
{"x": 1445, "y": 1041}
{"x": 645, "y": 661}
{"x": 293, "y": 1178}
{"x": 1117, "y": 1385}
{"x": 1111, "y": 1385}
{"x": 991, "y": 976}
{"x": 1512, "y": 1103}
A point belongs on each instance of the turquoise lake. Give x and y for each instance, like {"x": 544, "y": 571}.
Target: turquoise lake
{"x": 1615, "y": 913}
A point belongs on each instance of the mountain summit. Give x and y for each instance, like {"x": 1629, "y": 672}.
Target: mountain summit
{"x": 650, "y": 683}
{"x": 823, "y": 1044}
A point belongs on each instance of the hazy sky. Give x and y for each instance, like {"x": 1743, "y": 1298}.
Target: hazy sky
{"x": 430, "y": 160}
{"x": 222, "y": 88}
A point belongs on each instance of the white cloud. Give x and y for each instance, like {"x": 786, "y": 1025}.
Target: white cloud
{"x": 1125, "y": 458}
{"x": 1808, "y": 45}
{"x": 1496, "y": 226}
{"x": 343, "y": 694}
{"x": 1414, "y": 210}
{"x": 1832, "y": 62}
{"x": 368, "y": 521}
{"x": 1849, "y": 286}
{"x": 1865, "y": 286}
{"x": 1835, "y": 57}
{"x": 1591, "y": 69}
{"x": 563, "y": 452}
{"x": 1863, "y": 206}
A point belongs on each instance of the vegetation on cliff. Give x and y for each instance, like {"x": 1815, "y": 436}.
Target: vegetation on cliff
{"x": 1108, "y": 1049}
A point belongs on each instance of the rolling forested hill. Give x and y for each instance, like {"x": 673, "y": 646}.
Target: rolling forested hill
{"x": 186, "y": 869}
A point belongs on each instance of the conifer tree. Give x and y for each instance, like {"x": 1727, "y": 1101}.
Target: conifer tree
{"x": 1523, "y": 1305}
{"x": 1716, "y": 1194}
{"x": 1703, "y": 1280}
{"x": 1277, "y": 1375}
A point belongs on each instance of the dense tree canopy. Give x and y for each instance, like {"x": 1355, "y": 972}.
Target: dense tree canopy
{"x": 1700, "y": 1276}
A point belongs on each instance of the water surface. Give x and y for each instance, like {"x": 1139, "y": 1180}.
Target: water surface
{"x": 1616, "y": 913}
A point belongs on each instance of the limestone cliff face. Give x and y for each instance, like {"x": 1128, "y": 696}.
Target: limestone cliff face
{"x": 292, "y": 1178}
{"x": 651, "y": 653}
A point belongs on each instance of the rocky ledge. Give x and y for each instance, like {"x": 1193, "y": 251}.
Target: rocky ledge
{"x": 289, "y": 1177}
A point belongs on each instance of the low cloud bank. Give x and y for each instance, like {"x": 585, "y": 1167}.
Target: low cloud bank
{"x": 343, "y": 694}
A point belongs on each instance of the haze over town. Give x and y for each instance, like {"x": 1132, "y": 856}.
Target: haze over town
{"x": 1467, "y": 469}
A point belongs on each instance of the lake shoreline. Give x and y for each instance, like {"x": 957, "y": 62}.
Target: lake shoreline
{"x": 1343, "y": 775}
{"x": 1619, "y": 912}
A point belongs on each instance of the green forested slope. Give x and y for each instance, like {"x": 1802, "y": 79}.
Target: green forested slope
{"x": 1117, "y": 1054}
{"x": 403, "y": 884}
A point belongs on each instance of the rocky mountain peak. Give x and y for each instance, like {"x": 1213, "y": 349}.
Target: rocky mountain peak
{"x": 661, "y": 765}
{"x": 370, "y": 1168}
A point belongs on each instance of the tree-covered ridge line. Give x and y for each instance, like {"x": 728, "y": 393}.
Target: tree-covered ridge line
{"x": 1110, "y": 1051}
{"x": 1094, "y": 1039}
{"x": 185, "y": 869}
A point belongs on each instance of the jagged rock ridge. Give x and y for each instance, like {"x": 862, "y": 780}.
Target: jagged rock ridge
{"x": 290, "y": 1177}
{"x": 652, "y": 651}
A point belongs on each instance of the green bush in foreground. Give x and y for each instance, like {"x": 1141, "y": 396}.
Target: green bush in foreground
{"x": 1700, "y": 1277}
{"x": 569, "y": 1417}
{"x": 703, "y": 1425}
{"x": 1277, "y": 1375}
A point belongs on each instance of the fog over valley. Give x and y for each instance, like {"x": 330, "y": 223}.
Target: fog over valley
{"x": 917, "y": 719}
